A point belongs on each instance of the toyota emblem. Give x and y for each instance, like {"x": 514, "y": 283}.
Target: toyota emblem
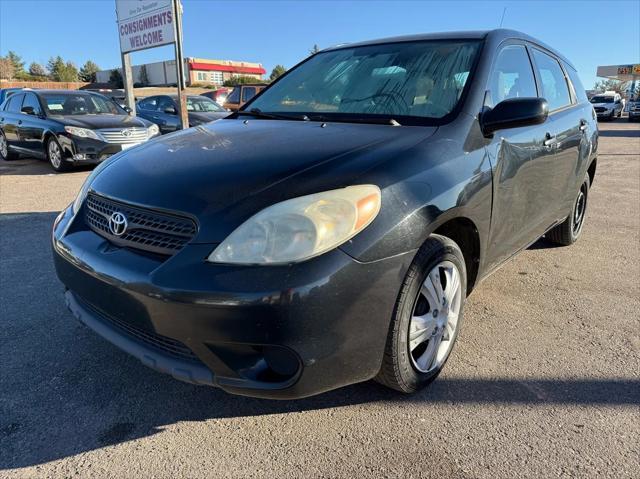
{"x": 126, "y": 132}
{"x": 118, "y": 223}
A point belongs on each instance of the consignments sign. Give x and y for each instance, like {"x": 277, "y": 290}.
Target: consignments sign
{"x": 145, "y": 24}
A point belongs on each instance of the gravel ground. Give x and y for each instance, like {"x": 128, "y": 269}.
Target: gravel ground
{"x": 544, "y": 382}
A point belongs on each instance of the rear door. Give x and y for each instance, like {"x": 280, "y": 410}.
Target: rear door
{"x": 566, "y": 120}
{"x": 10, "y": 119}
{"x": 31, "y": 130}
{"x": 522, "y": 161}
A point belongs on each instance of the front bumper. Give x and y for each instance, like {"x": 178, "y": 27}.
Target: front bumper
{"x": 89, "y": 151}
{"x": 275, "y": 332}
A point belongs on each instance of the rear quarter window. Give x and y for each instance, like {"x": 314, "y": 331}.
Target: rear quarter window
{"x": 578, "y": 88}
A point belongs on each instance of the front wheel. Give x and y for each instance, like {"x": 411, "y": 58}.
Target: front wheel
{"x": 427, "y": 317}
{"x": 568, "y": 232}
{"x": 55, "y": 156}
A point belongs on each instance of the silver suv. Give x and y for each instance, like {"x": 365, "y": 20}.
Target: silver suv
{"x": 607, "y": 105}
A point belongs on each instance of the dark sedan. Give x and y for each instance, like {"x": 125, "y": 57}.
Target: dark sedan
{"x": 330, "y": 232}
{"x": 163, "y": 111}
{"x": 68, "y": 127}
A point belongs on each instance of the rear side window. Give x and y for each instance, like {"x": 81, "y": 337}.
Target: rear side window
{"x": 248, "y": 93}
{"x": 149, "y": 103}
{"x": 512, "y": 75}
{"x": 14, "y": 103}
{"x": 579, "y": 90}
{"x": 554, "y": 84}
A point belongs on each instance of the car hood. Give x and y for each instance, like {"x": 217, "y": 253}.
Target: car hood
{"x": 101, "y": 121}
{"x": 606, "y": 104}
{"x": 203, "y": 117}
{"x": 224, "y": 172}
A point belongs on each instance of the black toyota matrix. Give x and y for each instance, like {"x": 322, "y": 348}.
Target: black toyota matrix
{"x": 68, "y": 127}
{"x": 331, "y": 230}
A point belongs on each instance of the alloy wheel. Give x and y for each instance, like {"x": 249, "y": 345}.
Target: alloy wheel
{"x": 434, "y": 323}
{"x": 4, "y": 150}
{"x": 55, "y": 155}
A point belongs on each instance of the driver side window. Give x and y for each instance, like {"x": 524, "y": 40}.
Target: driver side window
{"x": 512, "y": 75}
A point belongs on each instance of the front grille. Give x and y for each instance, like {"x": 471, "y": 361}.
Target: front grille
{"x": 599, "y": 109}
{"x": 167, "y": 345}
{"x": 146, "y": 230}
{"x": 124, "y": 135}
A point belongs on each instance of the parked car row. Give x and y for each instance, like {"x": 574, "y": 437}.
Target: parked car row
{"x": 68, "y": 127}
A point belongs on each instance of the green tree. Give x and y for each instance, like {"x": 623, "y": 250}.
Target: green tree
{"x": 115, "y": 78}
{"x": 37, "y": 70}
{"x": 56, "y": 66}
{"x": 69, "y": 73}
{"x": 88, "y": 72}
{"x": 277, "y": 71}
{"x": 612, "y": 85}
{"x": 18, "y": 64}
{"x": 239, "y": 80}
{"x": 144, "y": 76}
{"x": 314, "y": 50}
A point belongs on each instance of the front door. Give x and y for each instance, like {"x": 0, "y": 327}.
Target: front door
{"x": 523, "y": 160}
{"x": 31, "y": 130}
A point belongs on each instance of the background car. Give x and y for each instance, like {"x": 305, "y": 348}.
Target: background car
{"x": 242, "y": 94}
{"x": 219, "y": 95}
{"x": 163, "y": 111}
{"x": 607, "y": 105}
{"x": 7, "y": 92}
{"x": 634, "y": 109}
{"x": 68, "y": 127}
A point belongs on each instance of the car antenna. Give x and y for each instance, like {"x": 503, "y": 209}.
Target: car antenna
{"x": 504, "y": 10}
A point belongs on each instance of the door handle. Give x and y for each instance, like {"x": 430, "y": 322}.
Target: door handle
{"x": 19, "y": 122}
{"x": 583, "y": 125}
{"x": 549, "y": 140}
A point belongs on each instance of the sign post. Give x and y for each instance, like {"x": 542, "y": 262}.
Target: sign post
{"x": 146, "y": 24}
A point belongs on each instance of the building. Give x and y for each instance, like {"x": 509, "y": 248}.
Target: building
{"x": 199, "y": 71}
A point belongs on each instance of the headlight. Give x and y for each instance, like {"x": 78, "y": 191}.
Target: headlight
{"x": 153, "y": 130}
{"x": 82, "y": 194}
{"x": 301, "y": 228}
{"x": 81, "y": 132}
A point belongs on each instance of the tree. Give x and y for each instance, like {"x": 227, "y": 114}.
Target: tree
{"x": 115, "y": 78}
{"x": 18, "y": 64}
{"x": 37, "y": 70}
{"x": 88, "y": 72}
{"x": 6, "y": 69}
{"x": 144, "y": 76}
{"x": 314, "y": 50}
{"x": 239, "y": 80}
{"x": 56, "y": 67}
{"x": 69, "y": 73}
{"x": 611, "y": 85}
{"x": 277, "y": 71}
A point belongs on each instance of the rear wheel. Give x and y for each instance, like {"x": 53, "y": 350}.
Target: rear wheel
{"x": 427, "y": 317}
{"x": 568, "y": 232}
{"x": 5, "y": 153}
{"x": 55, "y": 156}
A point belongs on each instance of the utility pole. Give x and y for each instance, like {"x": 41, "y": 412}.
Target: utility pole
{"x": 182, "y": 99}
{"x": 127, "y": 80}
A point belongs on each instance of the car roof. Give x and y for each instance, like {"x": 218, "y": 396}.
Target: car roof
{"x": 498, "y": 35}
{"x": 68, "y": 92}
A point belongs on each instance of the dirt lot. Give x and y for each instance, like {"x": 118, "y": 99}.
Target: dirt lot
{"x": 544, "y": 382}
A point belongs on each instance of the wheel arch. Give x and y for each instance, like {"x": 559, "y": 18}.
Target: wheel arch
{"x": 592, "y": 170}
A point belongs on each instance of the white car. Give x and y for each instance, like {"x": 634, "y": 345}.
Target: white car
{"x": 608, "y": 105}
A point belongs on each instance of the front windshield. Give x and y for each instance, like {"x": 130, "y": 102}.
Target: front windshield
{"x": 602, "y": 99}
{"x": 79, "y": 104}
{"x": 397, "y": 80}
{"x": 202, "y": 104}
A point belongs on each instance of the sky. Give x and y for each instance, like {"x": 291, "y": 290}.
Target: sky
{"x": 589, "y": 33}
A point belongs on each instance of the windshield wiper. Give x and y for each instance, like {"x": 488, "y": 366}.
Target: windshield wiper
{"x": 257, "y": 113}
{"x": 382, "y": 120}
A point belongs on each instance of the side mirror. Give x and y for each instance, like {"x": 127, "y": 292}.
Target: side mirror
{"x": 28, "y": 110}
{"x": 127, "y": 109}
{"x": 514, "y": 113}
{"x": 170, "y": 110}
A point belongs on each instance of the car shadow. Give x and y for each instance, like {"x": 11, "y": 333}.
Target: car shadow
{"x": 66, "y": 391}
{"x": 544, "y": 243}
{"x": 635, "y": 133}
{"x": 33, "y": 166}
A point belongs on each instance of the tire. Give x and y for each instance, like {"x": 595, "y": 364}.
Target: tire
{"x": 568, "y": 232}
{"x": 414, "y": 356}
{"x": 56, "y": 160}
{"x": 5, "y": 153}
